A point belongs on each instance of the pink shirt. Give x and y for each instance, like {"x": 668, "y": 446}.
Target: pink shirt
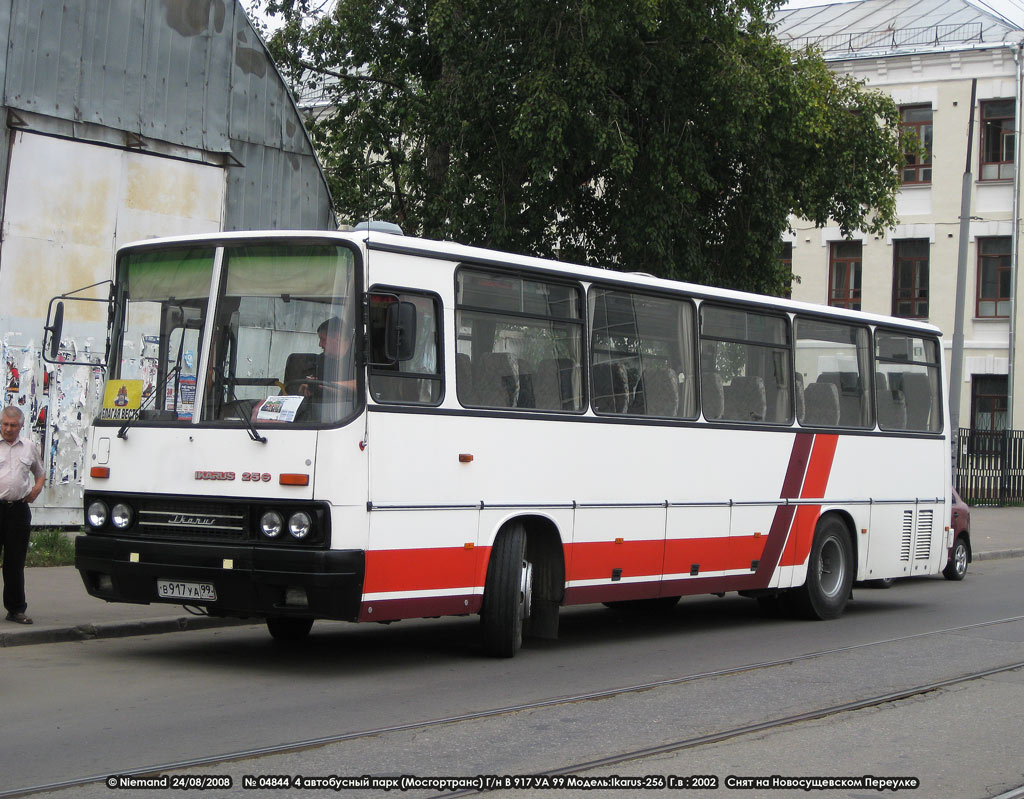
{"x": 20, "y": 466}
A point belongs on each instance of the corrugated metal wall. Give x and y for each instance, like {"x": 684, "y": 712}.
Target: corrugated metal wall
{"x": 192, "y": 73}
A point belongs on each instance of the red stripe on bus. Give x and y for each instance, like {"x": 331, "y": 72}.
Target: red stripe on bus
{"x": 713, "y": 554}
{"x": 798, "y": 547}
{"x": 595, "y": 560}
{"x": 390, "y": 570}
{"x": 449, "y": 568}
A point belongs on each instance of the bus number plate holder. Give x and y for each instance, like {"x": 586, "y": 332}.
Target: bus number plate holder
{"x": 194, "y": 592}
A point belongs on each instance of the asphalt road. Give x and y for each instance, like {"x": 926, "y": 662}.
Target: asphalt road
{"x": 107, "y": 707}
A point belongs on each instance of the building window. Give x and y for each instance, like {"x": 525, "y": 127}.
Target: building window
{"x": 910, "y": 278}
{"x": 993, "y": 277}
{"x": 786, "y": 262}
{"x": 844, "y": 274}
{"x": 988, "y": 403}
{"x": 918, "y": 166}
{"x": 998, "y": 133}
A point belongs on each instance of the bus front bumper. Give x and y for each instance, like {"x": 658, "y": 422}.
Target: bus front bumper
{"x": 247, "y": 581}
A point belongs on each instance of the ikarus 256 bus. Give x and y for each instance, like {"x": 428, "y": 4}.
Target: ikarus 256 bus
{"x": 370, "y": 427}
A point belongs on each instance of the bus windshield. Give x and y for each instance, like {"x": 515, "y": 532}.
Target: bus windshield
{"x": 275, "y": 345}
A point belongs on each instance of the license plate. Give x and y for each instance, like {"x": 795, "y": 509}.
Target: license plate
{"x": 196, "y": 592}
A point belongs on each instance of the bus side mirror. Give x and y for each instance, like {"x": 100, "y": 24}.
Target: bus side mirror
{"x": 54, "y": 331}
{"x": 400, "y": 332}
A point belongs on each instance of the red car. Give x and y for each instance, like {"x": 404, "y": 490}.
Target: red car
{"x": 960, "y": 552}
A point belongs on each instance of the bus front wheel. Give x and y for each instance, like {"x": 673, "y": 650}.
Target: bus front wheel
{"x": 508, "y": 592}
{"x": 830, "y": 567}
{"x": 288, "y": 629}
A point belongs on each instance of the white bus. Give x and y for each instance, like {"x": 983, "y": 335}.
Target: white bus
{"x": 370, "y": 427}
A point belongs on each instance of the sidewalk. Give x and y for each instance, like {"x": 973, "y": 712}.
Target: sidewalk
{"x": 63, "y": 611}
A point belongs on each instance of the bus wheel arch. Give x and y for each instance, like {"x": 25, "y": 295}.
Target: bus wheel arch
{"x": 831, "y": 568}
{"x": 524, "y": 585}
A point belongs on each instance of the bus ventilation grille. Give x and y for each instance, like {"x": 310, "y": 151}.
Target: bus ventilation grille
{"x": 923, "y": 542}
{"x": 908, "y": 534}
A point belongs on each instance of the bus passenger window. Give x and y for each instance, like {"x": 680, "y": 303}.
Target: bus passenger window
{"x": 642, "y": 354}
{"x": 837, "y": 355}
{"x": 907, "y": 382}
{"x": 745, "y": 366}
{"x": 519, "y": 342}
{"x": 417, "y": 380}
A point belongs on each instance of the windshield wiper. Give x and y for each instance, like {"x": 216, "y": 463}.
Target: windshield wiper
{"x": 247, "y": 418}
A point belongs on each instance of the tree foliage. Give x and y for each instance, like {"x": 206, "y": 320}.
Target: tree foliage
{"x": 667, "y": 136}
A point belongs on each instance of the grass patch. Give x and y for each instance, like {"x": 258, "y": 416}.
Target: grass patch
{"x": 51, "y": 548}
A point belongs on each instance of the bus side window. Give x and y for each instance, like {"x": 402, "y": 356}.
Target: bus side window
{"x": 519, "y": 342}
{"x": 417, "y": 380}
{"x": 833, "y": 354}
{"x": 642, "y": 354}
{"x": 745, "y": 354}
{"x": 907, "y": 382}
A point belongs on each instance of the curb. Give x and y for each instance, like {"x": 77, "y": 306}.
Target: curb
{"x": 998, "y": 554}
{"x": 125, "y": 629}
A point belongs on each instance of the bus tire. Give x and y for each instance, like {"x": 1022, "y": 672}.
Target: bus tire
{"x": 830, "y": 567}
{"x": 288, "y": 629}
{"x": 508, "y": 593}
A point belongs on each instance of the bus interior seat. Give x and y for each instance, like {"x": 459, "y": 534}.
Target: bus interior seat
{"x": 821, "y": 404}
{"x": 556, "y": 384}
{"x": 497, "y": 381}
{"x": 798, "y": 397}
{"x": 657, "y": 392}
{"x": 851, "y": 397}
{"x": 712, "y": 395}
{"x": 918, "y": 394}
{"x": 611, "y": 387}
{"x": 464, "y": 378}
{"x": 526, "y": 396}
{"x": 892, "y": 409}
{"x": 745, "y": 399}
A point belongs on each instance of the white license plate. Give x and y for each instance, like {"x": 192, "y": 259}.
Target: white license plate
{"x": 196, "y": 592}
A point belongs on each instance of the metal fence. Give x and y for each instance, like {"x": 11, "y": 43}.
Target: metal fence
{"x": 990, "y": 466}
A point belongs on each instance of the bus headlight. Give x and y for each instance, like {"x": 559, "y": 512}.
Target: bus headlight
{"x": 97, "y": 514}
{"x": 121, "y": 516}
{"x": 271, "y": 524}
{"x": 300, "y": 525}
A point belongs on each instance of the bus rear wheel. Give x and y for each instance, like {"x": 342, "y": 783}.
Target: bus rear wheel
{"x": 508, "y": 593}
{"x": 288, "y": 629}
{"x": 829, "y": 572}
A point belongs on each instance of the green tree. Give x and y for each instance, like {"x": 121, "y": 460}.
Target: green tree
{"x": 667, "y": 136}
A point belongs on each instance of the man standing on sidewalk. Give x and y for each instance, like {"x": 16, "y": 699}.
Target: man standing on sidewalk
{"x": 21, "y": 480}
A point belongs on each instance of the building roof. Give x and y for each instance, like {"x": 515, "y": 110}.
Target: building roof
{"x": 842, "y": 30}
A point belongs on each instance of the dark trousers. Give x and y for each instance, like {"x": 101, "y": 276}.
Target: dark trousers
{"x": 15, "y": 525}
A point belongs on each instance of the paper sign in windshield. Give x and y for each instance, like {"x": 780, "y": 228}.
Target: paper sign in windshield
{"x": 122, "y": 400}
{"x": 279, "y": 409}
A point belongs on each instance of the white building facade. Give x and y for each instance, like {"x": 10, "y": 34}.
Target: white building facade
{"x": 930, "y": 57}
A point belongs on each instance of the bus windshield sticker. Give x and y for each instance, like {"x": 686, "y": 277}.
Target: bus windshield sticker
{"x": 186, "y": 401}
{"x": 122, "y": 400}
